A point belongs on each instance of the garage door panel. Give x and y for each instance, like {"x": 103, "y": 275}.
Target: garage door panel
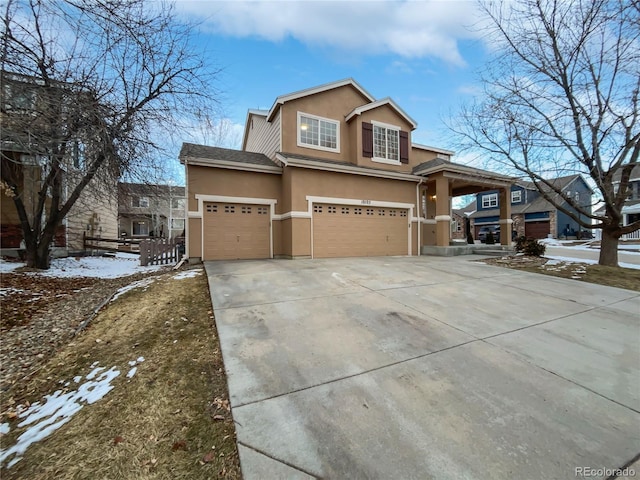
{"x": 346, "y": 231}
{"x": 537, "y": 229}
{"x": 236, "y": 231}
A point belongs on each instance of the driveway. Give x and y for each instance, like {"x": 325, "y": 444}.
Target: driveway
{"x": 425, "y": 367}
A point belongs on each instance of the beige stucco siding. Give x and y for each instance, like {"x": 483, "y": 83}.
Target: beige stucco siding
{"x": 420, "y": 155}
{"x": 228, "y": 183}
{"x": 339, "y": 185}
{"x": 263, "y": 137}
{"x": 333, "y": 104}
{"x": 232, "y": 183}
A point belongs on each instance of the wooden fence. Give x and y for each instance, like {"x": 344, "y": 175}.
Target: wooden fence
{"x": 161, "y": 251}
{"x": 120, "y": 245}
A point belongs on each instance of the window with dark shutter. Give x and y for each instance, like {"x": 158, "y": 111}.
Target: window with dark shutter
{"x": 367, "y": 140}
{"x": 404, "y": 147}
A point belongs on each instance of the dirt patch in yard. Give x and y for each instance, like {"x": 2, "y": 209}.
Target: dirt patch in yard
{"x": 610, "y": 276}
{"x": 164, "y": 412}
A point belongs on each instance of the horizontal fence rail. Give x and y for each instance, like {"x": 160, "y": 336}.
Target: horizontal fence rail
{"x": 96, "y": 243}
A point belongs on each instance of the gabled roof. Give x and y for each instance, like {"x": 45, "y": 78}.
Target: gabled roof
{"x": 439, "y": 164}
{"x": 432, "y": 149}
{"x": 226, "y": 158}
{"x": 319, "y": 89}
{"x": 380, "y": 103}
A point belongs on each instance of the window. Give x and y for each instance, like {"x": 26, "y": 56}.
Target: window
{"x": 386, "y": 143}
{"x": 318, "y": 132}
{"x": 211, "y": 208}
{"x": 489, "y": 201}
{"x": 19, "y": 97}
{"x": 177, "y": 223}
{"x": 140, "y": 228}
{"x": 263, "y": 210}
{"x": 245, "y": 209}
{"x": 177, "y": 203}
{"x": 516, "y": 196}
{"x": 229, "y": 209}
{"x": 140, "y": 202}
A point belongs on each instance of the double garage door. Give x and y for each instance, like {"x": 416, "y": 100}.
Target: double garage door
{"x": 354, "y": 231}
{"x": 236, "y": 231}
{"x": 242, "y": 231}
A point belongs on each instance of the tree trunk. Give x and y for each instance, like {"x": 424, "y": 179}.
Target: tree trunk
{"x": 609, "y": 246}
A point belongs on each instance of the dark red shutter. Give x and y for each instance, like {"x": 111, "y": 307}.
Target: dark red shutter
{"x": 404, "y": 147}
{"x": 367, "y": 140}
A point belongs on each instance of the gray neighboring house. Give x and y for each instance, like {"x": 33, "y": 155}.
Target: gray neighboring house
{"x": 147, "y": 210}
{"x": 631, "y": 208}
{"x": 533, "y": 216}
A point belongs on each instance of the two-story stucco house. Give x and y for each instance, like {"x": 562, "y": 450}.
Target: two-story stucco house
{"x": 328, "y": 171}
{"x": 533, "y": 216}
{"x": 150, "y": 210}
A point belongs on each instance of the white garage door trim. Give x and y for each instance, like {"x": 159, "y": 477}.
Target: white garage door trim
{"x": 361, "y": 202}
{"x": 240, "y": 200}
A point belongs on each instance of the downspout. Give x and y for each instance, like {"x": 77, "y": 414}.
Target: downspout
{"x": 418, "y": 205}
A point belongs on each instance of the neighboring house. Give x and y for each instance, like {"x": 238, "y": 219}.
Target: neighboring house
{"x": 95, "y": 211}
{"x": 325, "y": 172}
{"x": 146, "y": 210}
{"x": 533, "y": 216}
{"x": 631, "y": 208}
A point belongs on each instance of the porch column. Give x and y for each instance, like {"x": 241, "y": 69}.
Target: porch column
{"x": 443, "y": 212}
{"x": 505, "y": 216}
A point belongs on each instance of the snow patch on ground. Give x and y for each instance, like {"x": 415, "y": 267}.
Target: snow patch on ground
{"x": 121, "y": 265}
{"x": 557, "y": 259}
{"x": 6, "y": 267}
{"x": 187, "y": 274}
{"x": 144, "y": 284}
{"x": 44, "y": 418}
{"x": 10, "y": 290}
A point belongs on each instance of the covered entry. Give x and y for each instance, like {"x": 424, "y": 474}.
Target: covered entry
{"x": 359, "y": 231}
{"x": 234, "y": 231}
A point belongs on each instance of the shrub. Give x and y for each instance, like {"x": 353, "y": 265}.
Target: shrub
{"x": 534, "y": 248}
{"x": 520, "y": 243}
{"x": 530, "y": 246}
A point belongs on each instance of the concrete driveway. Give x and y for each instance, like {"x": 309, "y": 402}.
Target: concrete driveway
{"x": 426, "y": 367}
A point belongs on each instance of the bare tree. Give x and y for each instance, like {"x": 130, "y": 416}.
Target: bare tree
{"x": 88, "y": 86}
{"x": 561, "y": 97}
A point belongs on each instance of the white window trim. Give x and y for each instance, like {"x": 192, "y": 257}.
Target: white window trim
{"x": 388, "y": 126}
{"x": 519, "y": 193}
{"x": 319, "y": 147}
{"x": 486, "y": 200}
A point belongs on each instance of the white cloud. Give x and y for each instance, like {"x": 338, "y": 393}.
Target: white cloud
{"x": 411, "y": 29}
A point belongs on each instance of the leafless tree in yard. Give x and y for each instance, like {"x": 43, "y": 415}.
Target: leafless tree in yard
{"x": 561, "y": 97}
{"x": 88, "y": 88}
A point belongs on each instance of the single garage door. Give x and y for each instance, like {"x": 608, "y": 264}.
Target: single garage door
{"x": 348, "y": 231}
{"x": 236, "y": 231}
{"x": 537, "y": 229}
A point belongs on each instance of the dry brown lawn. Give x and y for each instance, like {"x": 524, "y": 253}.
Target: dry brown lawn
{"x": 170, "y": 420}
{"x": 610, "y": 276}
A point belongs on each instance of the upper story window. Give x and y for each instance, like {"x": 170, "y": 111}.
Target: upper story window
{"x": 386, "y": 143}
{"x": 142, "y": 202}
{"x": 490, "y": 201}
{"x": 516, "y": 196}
{"x": 177, "y": 203}
{"x": 317, "y": 132}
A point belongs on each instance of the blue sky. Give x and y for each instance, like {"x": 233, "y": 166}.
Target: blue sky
{"x": 423, "y": 54}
